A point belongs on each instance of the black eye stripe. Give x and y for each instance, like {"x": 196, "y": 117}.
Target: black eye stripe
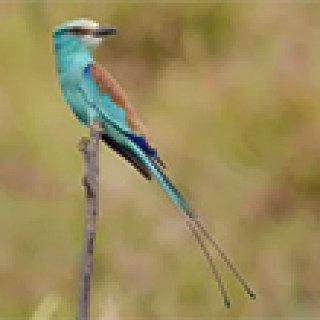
{"x": 81, "y": 31}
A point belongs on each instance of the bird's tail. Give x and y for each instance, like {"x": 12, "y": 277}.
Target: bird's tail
{"x": 171, "y": 191}
{"x": 194, "y": 224}
{"x": 138, "y": 155}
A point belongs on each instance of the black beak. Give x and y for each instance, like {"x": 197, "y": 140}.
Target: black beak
{"x": 104, "y": 31}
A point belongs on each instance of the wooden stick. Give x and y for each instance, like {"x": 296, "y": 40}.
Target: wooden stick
{"x": 90, "y": 151}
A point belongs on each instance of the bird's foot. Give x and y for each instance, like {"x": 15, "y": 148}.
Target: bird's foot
{"x": 95, "y": 125}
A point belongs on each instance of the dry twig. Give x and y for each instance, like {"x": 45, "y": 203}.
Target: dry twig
{"x": 90, "y": 151}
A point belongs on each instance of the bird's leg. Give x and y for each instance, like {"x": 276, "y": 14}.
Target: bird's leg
{"x": 93, "y": 120}
{"x": 95, "y": 125}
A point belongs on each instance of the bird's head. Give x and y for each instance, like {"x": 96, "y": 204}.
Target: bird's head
{"x": 80, "y": 33}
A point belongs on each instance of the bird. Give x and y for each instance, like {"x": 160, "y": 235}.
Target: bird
{"x": 95, "y": 96}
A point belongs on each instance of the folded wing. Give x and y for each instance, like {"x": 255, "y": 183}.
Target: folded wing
{"x": 111, "y": 104}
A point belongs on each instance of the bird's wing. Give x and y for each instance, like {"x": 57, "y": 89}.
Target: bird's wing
{"x": 118, "y": 101}
{"x": 112, "y": 105}
{"x": 102, "y": 102}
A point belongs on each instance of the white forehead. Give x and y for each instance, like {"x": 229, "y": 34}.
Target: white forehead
{"x": 86, "y": 23}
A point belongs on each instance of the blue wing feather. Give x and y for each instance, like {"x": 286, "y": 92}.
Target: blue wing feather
{"x": 117, "y": 114}
{"x": 103, "y": 103}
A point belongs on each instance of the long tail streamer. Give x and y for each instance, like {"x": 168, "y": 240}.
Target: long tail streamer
{"x": 211, "y": 263}
{"x": 149, "y": 167}
{"x": 223, "y": 256}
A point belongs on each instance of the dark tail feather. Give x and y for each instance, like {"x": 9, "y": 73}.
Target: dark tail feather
{"x": 128, "y": 155}
{"x": 152, "y": 153}
{"x": 160, "y": 162}
{"x": 224, "y": 257}
{"x": 211, "y": 263}
{"x": 198, "y": 226}
{"x": 179, "y": 200}
{"x": 183, "y": 205}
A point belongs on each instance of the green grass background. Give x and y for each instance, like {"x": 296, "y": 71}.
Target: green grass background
{"x": 230, "y": 92}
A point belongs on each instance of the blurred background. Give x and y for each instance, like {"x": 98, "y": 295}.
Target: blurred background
{"x": 230, "y": 93}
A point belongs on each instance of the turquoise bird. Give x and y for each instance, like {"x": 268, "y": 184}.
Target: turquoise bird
{"x": 96, "y": 97}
